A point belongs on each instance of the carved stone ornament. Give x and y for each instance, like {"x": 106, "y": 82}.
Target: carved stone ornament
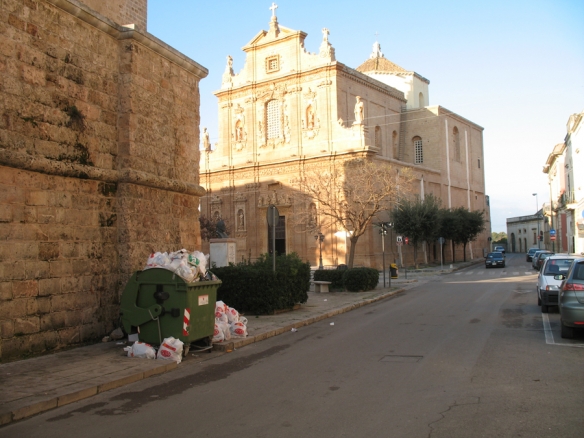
{"x": 240, "y": 197}
{"x": 326, "y": 49}
{"x": 215, "y": 199}
{"x": 239, "y": 134}
{"x": 310, "y": 121}
{"x": 278, "y": 198}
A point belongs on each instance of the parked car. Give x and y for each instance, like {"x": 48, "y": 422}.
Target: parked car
{"x": 541, "y": 258}
{"x": 530, "y": 253}
{"x": 494, "y": 259}
{"x": 534, "y": 260}
{"x": 499, "y": 249}
{"x": 547, "y": 285}
{"x": 571, "y": 299}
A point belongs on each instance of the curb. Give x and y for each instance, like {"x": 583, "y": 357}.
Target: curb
{"x": 75, "y": 396}
{"x": 72, "y": 397}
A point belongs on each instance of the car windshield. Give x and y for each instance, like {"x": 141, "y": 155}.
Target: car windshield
{"x": 532, "y": 251}
{"x": 495, "y": 255}
{"x": 557, "y": 266}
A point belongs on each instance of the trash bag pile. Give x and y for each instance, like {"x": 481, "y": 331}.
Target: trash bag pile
{"x": 170, "y": 349}
{"x": 190, "y": 266}
{"x": 228, "y": 323}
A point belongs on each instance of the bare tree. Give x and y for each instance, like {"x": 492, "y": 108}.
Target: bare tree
{"x": 350, "y": 195}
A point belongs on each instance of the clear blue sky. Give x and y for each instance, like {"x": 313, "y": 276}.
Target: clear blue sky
{"x": 514, "y": 67}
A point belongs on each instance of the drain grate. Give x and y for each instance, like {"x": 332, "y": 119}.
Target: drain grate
{"x": 402, "y": 359}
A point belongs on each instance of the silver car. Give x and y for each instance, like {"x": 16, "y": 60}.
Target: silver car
{"x": 571, "y": 300}
{"x": 547, "y": 286}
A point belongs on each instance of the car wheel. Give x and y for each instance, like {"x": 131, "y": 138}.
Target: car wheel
{"x": 566, "y": 332}
{"x": 544, "y": 308}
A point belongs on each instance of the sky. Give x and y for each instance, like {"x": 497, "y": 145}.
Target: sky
{"x": 514, "y": 67}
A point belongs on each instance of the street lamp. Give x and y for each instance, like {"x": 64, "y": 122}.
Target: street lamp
{"x": 537, "y": 215}
{"x": 320, "y": 238}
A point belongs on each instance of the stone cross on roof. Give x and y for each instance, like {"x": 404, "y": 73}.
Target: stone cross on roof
{"x": 273, "y": 9}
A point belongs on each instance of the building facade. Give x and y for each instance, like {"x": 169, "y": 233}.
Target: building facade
{"x": 289, "y": 111}
{"x": 565, "y": 170}
{"x": 98, "y": 164}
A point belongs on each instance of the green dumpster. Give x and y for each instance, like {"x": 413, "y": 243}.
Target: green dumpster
{"x": 157, "y": 303}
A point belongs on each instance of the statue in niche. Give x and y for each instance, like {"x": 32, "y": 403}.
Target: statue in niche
{"x": 205, "y": 140}
{"x": 312, "y": 216}
{"x": 240, "y": 220}
{"x": 359, "y": 110}
{"x": 239, "y": 131}
{"x": 310, "y": 117}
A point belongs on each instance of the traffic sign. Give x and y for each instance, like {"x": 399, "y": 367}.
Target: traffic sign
{"x": 552, "y": 233}
{"x": 407, "y": 240}
{"x": 399, "y": 239}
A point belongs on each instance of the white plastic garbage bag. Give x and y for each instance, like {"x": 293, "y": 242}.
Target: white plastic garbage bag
{"x": 238, "y": 330}
{"x": 141, "y": 350}
{"x": 171, "y": 349}
{"x": 218, "y": 335}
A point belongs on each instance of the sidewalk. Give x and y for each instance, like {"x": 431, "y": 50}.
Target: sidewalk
{"x": 32, "y": 386}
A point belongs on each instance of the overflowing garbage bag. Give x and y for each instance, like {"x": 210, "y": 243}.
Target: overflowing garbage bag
{"x": 141, "y": 350}
{"x": 191, "y": 266}
{"x": 228, "y": 323}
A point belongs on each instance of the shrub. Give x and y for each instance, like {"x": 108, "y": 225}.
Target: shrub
{"x": 335, "y": 277}
{"x": 360, "y": 279}
{"x": 256, "y": 289}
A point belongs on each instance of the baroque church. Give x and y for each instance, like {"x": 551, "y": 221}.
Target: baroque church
{"x": 288, "y": 111}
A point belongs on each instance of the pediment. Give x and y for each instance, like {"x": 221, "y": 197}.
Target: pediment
{"x": 264, "y": 37}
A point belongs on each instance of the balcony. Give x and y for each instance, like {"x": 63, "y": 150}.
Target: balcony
{"x": 567, "y": 201}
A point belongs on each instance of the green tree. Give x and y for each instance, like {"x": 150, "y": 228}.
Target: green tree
{"x": 449, "y": 228}
{"x": 472, "y": 223}
{"x": 418, "y": 219}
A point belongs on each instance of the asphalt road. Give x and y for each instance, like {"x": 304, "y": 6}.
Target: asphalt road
{"x": 467, "y": 354}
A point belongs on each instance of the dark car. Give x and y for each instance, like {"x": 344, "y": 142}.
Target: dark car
{"x": 535, "y": 260}
{"x": 494, "y": 259}
{"x": 530, "y": 254}
{"x": 571, "y": 299}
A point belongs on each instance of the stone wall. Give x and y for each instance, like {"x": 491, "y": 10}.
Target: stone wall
{"x": 122, "y": 11}
{"x": 98, "y": 167}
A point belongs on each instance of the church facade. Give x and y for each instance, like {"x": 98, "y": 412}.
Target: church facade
{"x": 289, "y": 111}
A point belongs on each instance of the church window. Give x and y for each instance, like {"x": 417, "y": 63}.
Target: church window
{"x": 272, "y": 64}
{"x": 456, "y": 139}
{"x": 378, "y": 137}
{"x": 394, "y": 145}
{"x": 421, "y": 101}
{"x": 418, "y": 151}
{"x": 273, "y": 119}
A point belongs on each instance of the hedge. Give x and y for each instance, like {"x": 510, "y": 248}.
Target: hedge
{"x": 360, "y": 279}
{"x": 254, "y": 288}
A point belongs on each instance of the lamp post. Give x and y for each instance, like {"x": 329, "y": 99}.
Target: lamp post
{"x": 537, "y": 215}
{"x": 320, "y": 238}
{"x": 383, "y": 228}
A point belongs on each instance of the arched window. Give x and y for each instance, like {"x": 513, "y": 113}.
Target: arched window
{"x": 421, "y": 100}
{"x": 378, "y": 137}
{"x": 418, "y": 151}
{"x": 395, "y": 145}
{"x": 456, "y": 140}
{"x": 273, "y": 119}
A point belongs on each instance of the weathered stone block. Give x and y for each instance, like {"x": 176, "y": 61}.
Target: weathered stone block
{"x": 25, "y": 288}
{"x": 6, "y": 291}
{"x": 49, "y": 250}
{"x": 6, "y": 329}
{"x": 49, "y": 286}
{"x": 36, "y": 270}
{"x": 13, "y": 309}
{"x": 25, "y": 326}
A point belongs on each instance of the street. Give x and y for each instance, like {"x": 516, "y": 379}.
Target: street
{"x": 467, "y": 354}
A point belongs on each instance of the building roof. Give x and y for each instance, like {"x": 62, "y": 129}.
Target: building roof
{"x": 381, "y": 65}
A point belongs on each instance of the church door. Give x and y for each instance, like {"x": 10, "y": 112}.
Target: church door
{"x": 280, "y": 237}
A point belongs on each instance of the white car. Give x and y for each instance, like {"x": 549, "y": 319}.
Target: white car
{"x": 548, "y": 287}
